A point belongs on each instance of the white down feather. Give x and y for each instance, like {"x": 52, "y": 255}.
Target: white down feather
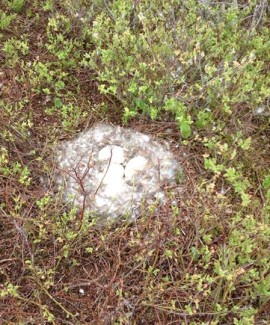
{"x": 112, "y": 170}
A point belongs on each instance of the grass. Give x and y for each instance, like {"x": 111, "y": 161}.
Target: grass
{"x": 196, "y": 74}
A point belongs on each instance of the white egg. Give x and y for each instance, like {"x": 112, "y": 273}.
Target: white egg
{"x": 113, "y": 190}
{"x": 113, "y": 153}
{"x": 135, "y": 165}
{"x": 112, "y": 174}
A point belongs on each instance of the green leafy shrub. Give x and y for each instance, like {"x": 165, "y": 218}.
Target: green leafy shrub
{"x": 155, "y": 52}
{"x": 5, "y": 19}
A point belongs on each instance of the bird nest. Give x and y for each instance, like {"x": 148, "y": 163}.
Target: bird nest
{"x": 111, "y": 171}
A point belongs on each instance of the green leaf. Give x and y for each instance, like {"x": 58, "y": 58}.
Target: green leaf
{"x": 168, "y": 253}
{"x": 211, "y": 164}
{"x": 185, "y": 129}
{"x": 17, "y": 5}
{"x": 266, "y": 182}
{"x": 60, "y": 85}
{"x": 58, "y": 103}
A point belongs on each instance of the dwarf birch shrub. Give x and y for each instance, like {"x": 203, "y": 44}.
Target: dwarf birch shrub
{"x": 148, "y": 53}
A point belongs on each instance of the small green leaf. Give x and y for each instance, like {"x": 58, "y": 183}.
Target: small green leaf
{"x": 266, "y": 182}
{"x": 17, "y": 5}
{"x": 185, "y": 129}
{"x": 60, "y": 85}
{"x": 58, "y": 103}
{"x": 168, "y": 253}
{"x": 245, "y": 144}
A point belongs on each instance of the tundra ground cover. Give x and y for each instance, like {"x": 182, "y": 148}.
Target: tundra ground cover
{"x": 192, "y": 72}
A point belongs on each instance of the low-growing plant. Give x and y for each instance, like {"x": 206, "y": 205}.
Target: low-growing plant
{"x": 17, "y": 5}
{"x": 5, "y": 19}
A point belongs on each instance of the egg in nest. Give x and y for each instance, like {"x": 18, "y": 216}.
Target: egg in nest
{"x": 110, "y": 171}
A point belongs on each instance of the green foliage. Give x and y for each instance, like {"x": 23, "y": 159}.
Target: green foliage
{"x": 17, "y": 5}
{"x": 142, "y": 60}
{"x": 13, "y": 169}
{"x": 5, "y": 19}
{"x": 14, "y": 49}
{"x": 266, "y": 182}
{"x": 9, "y": 289}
